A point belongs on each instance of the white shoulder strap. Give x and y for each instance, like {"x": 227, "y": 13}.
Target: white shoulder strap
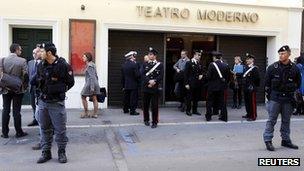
{"x": 246, "y": 73}
{"x": 217, "y": 69}
{"x": 152, "y": 69}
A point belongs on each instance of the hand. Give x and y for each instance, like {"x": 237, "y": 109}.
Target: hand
{"x": 177, "y": 70}
{"x": 150, "y": 86}
{"x": 123, "y": 89}
{"x": 200, "y": 77}
{"x": 187, "y": 87}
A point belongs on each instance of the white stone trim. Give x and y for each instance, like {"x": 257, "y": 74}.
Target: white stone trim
{"x": 7, "y": 23}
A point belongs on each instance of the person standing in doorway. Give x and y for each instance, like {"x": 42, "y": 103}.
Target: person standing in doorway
{"x": 238, "y": 71}
{"x": 16, "y": 66}
{"x": 218, "y": 76}
{"x": 130, "y": 81}
{"x": 251, "y": 81}
{"x": 32, "y": 67}
{"x": 152, "y": 76}
{"x": 179, "y": 68}
{"x": 193, "y": 74}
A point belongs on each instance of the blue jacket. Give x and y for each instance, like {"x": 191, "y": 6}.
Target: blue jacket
{"x": 301, "y": 68}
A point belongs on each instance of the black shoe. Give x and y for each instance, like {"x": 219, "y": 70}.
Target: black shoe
{"x": 289, "y": 144}
{"x": 4, "y": 136}
{"x": 295, "y": 113}
{"x": 147, "y": 123}
{"x": 188, "y": 113}
{"x": 33, "y": 123}
{"x": 250, "y": 119}
{"x": 46, "y": 156}
{"x": 154, "y": 125}
{"x": 61, "y": 156}
{"x": 245, "y": 116}
{"x": 239, "y": 107}
{"x": 182, "y": 109}
{"x": 37, "y": 147}
{"x": 269, "y": 146}
{"x": 22, "y": 134}
{"x": 196, "y": 113}
{"x": 233, "y": 106}
{"x": 125, "y": 111}
{"x": 223, "y": 119}
{"x": 208, "y": 118}
{"x": 134, "y": 113}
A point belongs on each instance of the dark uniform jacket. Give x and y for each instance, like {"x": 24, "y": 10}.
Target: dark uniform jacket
{"x": 53, "y": 80}
{"x": 215, "y": 83}
{"x": 281, "y": 81}
{"x": 130, "y": 75}
{"x": 251, "y": 81}
{"x": 156, "y": 75}
{"x": 191, "y": 74}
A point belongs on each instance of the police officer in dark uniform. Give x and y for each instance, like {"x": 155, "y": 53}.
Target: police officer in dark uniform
{"x": 282, "y": 80}
{"x": 251, "y": 81}
{"x": 218, "y": 77}
{"x": 193, "y": 83}
{"x": 130, "y": 80}
{"x": 54, "y": 77}
{"x": 152, "y": 76}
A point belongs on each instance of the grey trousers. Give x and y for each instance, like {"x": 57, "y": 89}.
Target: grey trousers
{"x": 52, "y": 119}
{"x": 274, "y": 109}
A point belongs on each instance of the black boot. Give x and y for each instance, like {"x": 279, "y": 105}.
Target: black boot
{"x": 208, "y": 117}
{"x": 147, "y": 123}
{"x": 134, "y": 113}
{"x": 188, "y": 113}
{"x": 154, "y": 125}
{"x": 269, "y": 146}
{"x": 289, "y": 144}
{"x": 61, "y": 156}
{"x": 33, "y": 123}
{"x": 196, "y": 113}
{"x": 45, "y": 156}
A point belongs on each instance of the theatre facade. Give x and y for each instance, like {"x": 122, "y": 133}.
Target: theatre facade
{"x": 110, "y": 28}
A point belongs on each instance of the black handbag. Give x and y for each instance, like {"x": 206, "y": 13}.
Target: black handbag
{"x": 10, "y": 82}
{"x": 100, "y": 97}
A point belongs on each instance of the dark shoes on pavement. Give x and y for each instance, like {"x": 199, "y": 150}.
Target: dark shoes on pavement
{"x": 33, "y": 123}
{"x": 269, "y": 146}
{"x": 289, "y": 144}
{"x": 134, "y": 113}
{"x": 22, "y": 134}
{"x": 4, "y": 136}
{"x": 45, "y": 156}
{"x": 62, "y": 156}
{"x": 154, "y": 125}
{"x": 188, "y": 113}
{"x": 37, "y": 147}
{"x": 284, "y": 143}
{"x": 196, "y": 113}
{"x": 147, "y": 123}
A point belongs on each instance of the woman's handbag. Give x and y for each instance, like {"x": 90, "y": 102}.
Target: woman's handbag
{"x": 100, "y": 97}
{"x": 10, "y": 82}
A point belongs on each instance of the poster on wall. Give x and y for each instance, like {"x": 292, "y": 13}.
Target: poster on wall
{"x": 82, "y": 39}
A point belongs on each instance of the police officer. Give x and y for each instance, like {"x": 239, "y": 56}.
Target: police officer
{"x": 251, "y": 80}
{"x": 193, "y": 83}
{"x": 152, "y": 76}
{"x": 130, "y": 80}
{"x": 54, "y": 77}
{"x": 282, "y": 79}
{"x": 218, "y": 76}
{"x": 179, "y": 67}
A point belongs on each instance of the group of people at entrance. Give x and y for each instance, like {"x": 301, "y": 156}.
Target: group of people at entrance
{"x": 192, "y": 78}
{"x": 282, "y": 81}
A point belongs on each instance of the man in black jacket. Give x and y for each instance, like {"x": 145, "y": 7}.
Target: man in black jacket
{"x": 251, "y": 80}
{"x": 152, "y": 76}
{"x": 193, "y": 83}
{"x": 218, "y": 76}
{"x": 130, "y": 79}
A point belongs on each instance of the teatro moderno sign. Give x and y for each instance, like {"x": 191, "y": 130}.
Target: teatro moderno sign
{"x": 201, "y": 15}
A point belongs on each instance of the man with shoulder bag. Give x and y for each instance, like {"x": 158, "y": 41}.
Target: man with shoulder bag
{"x": 13, "y": 82}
